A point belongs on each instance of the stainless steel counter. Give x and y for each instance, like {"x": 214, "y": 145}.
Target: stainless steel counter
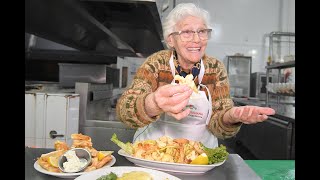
{"x": 233, "y": 169}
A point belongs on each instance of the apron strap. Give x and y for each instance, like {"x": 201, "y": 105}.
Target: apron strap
{"x": 210, "y": 104}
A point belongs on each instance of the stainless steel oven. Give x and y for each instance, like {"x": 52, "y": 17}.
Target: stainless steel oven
{"x": 258, "y": 84}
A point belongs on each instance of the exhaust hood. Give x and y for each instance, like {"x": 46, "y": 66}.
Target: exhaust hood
{"x": 108, "y": 27}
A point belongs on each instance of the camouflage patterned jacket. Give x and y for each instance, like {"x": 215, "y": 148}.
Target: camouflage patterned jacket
{"x": 156, "y": 72}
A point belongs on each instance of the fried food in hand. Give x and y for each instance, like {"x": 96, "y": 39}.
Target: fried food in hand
{"x": 188, "y": 80}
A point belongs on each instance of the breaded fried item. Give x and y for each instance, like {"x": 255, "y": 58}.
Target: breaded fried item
{"x": 181, "y": 140}
{"x": 96, "y": 164}
{"x": 188, "y": 80}
{"x": 81, "y": 144}
{"x": 79, "y": 141}
{"x": 80, "y": 137}
{"x": 59, "y": 145}
{"x": 57, "y": 153}
{"x": 45, "y": 165}
{"x": 43, "y": 161}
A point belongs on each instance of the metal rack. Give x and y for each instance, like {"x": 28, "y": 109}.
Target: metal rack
{"x": 280, "y": 43}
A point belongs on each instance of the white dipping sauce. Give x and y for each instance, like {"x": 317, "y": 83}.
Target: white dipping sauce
{"x": 73, "y": 163}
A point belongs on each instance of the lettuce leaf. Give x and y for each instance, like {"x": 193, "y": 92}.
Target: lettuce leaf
{"x": 127, "y": 147}
{"x": 217, "y": 154}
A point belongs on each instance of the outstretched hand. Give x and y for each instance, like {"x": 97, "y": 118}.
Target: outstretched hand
{"x": 250, "y": 114}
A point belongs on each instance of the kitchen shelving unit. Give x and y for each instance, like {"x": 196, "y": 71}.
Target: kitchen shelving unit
{"x": 280, "y": 43}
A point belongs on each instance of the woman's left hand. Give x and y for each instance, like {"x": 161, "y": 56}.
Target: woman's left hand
{"x": 250, "y": 114}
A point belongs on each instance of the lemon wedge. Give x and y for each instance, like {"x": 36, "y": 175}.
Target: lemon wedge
{"x": 53, "y": 161}
{"x": 202, "y": 159}
{"x": 102, "y": 154}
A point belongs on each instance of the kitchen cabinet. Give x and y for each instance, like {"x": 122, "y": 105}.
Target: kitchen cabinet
{"x": 50, "y": 116}
{"x": 271, "y": 139}
{"x": 239, "y": 71}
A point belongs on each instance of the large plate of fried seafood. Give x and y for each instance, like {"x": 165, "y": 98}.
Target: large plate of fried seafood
{"x": 175, "y": 155}
{"x": 43, "y": 164}
{"x": 169, "y": 166}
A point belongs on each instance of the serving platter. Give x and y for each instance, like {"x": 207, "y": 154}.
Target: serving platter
{"x": 71, "y": 175}
{"x": 167, "y": 166}
{"x": 120, "y": 170}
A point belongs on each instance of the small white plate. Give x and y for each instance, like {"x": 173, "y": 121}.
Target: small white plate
{"x": 157, "y": 175}
{"x": 71, "y": 175}
{"x": 167, "y": 166}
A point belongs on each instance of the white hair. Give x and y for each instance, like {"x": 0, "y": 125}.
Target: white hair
{"x": 180, "y": 12}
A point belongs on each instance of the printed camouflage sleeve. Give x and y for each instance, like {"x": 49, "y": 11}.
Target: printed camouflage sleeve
{"x": 221, "y": 103}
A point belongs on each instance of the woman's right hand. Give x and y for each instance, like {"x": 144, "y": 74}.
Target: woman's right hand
{"x": 170, "y": 98}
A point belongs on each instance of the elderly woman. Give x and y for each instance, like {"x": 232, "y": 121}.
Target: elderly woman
{"x": 158, "y": 106}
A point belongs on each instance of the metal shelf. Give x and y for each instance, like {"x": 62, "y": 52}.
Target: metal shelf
{"x": 278, "y": 66}
{"x": 91, "y": 57}
{"x": 282, "y": 65}
{"x": 283, "y": 94}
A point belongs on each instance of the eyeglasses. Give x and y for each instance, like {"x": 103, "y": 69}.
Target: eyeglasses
{"x": 203, "y": 34}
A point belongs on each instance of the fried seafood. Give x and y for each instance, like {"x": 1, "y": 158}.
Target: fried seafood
{"x": 47, "y": 166}
{"x": 81, "y": 144}
{"x": 80, "y": 137}
{"x": 44, "y": 162}
{"x": 79, "y": 141}
{"x": 96, "y": 164}
{"x": 167, "y": 149}
{"x": 181, "y": 141}
{"x": 59, "y": 145}
{"x": 83, "y": 141}
{"x": 103, "y": 161}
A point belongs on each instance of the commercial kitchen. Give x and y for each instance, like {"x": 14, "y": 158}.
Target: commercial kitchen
{"x": 80, "y": 56}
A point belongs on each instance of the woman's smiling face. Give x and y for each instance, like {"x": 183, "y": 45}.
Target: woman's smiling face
{"x": 189, "y": 52}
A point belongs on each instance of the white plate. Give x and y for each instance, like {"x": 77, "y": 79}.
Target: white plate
{"x": 167, "y": 166}
{"x": 157, "y": 175}
{"x": 71, "y": 175}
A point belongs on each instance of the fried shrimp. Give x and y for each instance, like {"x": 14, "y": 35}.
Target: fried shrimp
{"x": 96, "y": 164}
{"x": 181, "y": 141}
{"x": 59, "y": 145}
{"x": 80, "y": 137}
